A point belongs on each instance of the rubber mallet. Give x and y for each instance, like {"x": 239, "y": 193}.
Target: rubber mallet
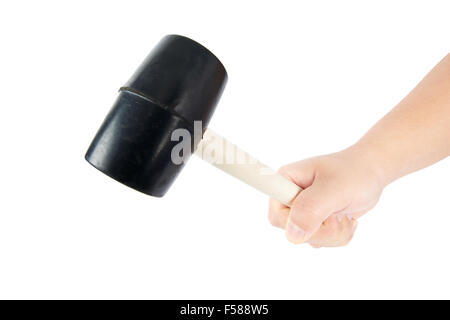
{"x": 174, "y": 91}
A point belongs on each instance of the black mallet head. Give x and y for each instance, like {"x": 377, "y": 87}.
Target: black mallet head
{"x": 178, "y": 83}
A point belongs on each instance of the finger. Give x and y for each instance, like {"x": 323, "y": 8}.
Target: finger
{"x": 301, "y": 172}
{"x": 312, "y": 206}
{"x": 278, "y": 213}
{"x": 327, "y": 230}
{"x": 336, "y": 231}
{"x": 355, "y": 214}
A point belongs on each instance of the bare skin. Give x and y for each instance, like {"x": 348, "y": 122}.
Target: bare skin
{"x": 342, "y": 186}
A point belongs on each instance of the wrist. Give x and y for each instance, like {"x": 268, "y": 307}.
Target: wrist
{"x": 372, "y": 160}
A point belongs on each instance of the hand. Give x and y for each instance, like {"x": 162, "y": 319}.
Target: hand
{"x": 338, "y": 189}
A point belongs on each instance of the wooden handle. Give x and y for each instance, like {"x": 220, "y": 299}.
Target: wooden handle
{"x": 229, "y": 158}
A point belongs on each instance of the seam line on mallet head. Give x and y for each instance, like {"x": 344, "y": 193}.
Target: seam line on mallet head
{"x": 156, "y": 102}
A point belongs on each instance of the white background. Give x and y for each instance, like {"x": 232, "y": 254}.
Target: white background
{"x": 305, "y": 78}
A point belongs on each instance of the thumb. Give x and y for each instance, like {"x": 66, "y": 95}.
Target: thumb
{"x": 311, "y": 207}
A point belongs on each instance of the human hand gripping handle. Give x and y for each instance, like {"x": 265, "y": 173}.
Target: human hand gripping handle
{"x": 283, "y": 190}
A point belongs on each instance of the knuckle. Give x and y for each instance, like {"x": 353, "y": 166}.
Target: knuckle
{"x": 328, "y": 232}
{"x": 346, "y": 240}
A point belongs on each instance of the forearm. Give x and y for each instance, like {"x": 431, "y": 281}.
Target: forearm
{"x": 416, "y": 133}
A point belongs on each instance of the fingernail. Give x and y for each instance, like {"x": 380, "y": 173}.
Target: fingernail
{"x": 349, "y": 217}
{"x": 339, "y": 217}
{"x": 295, "y": 233}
